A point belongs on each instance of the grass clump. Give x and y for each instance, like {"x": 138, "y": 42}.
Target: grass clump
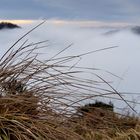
{"x": 100, "y": 122}
{"x": 39, "y": 100}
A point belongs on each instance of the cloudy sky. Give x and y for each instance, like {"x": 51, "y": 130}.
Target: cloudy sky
{"x": 98, "y": 10}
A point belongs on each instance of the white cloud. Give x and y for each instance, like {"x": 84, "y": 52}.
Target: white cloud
{"x": 122, "y": 61}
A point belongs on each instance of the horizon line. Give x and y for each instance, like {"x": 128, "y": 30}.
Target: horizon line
{"x": 81, "y": 23}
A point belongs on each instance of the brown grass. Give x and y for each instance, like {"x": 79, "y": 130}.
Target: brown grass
{"x": 39, "y": 99}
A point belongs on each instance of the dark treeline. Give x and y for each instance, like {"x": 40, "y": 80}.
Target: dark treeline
{"x": 7, "y": 25}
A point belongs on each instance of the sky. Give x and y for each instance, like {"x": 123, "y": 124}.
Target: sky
{"x": 97, "y": 10}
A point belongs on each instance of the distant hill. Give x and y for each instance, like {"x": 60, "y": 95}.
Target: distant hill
{"x": 136, "y": 29}
{"x": 7, "y": 25}
{"x": 111, "y": 32}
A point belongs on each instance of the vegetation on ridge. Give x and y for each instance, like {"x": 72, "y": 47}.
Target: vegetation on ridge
{"x": 7, "y": 25}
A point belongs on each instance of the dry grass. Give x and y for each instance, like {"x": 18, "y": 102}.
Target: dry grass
{"x": 38, "y": 100}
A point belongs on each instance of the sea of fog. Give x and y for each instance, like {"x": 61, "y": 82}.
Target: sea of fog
{"x": 122, "y": 61}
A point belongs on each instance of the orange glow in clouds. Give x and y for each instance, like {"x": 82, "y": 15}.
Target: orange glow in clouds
{"x": 18, "y": 21}
{"x": 79, "y": 23}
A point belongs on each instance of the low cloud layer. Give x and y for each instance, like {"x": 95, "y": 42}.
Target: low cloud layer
{"x": 121, "y": 61}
